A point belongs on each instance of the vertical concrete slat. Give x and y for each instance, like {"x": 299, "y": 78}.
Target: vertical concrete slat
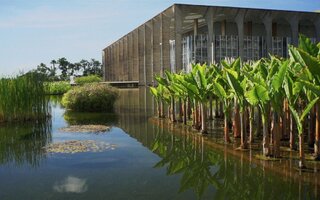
{"x": 267, "y": 21}
{"x": 156, "y": 23}
{"x": 125, "y": 58}
{"x": 147, "y": 54}
{"x": 165, "y": 46}
{"x": 141, "y": 55}
{"x": 130, "y": 56}
{"x": 178, "y": 15}
{"x": 209, "y": 20}
{"x": 240, "y": 24}
{"x": 136, "y": 55}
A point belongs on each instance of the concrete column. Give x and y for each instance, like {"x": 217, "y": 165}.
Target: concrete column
{"x": 103, "y": 65}
{"x": 223, "y": 27}
{"x": 151, "y": 56}
{"x": 130, "y": 56}
{"x": 141, "y": 51}
{"x": 195, "y": 34}
{"x": 125, "y": 58}
{"x": 317, "y": 26}
{"x": 294, "y": 24}
{"x": 178, "y": 16}
{"x": 210, "y": 48}
{"x": 147, "y": 53}
{"x": 156, "y": 23}
{"x": 267, "y": 21}
{"x": 121, "y": 64}
{"x": 135, "y": 74}
{"x": 110, "y": 63}
{"x": 112, "y": 55}
{"x": 165, "y": 46}
{"x": 240, "y": 24}
{"x": 117, "y": 66}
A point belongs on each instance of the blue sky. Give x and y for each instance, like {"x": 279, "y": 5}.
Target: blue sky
{"x": 35, "y": 31}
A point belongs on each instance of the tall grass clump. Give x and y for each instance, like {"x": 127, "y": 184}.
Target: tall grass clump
{"x": 88, "y": 79}
{"x": 92, "y": 97}
{"x": 23, "y": 98}
{"x": 57, "y": 87}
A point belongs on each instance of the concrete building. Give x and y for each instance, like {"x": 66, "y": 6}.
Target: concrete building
{"x": 183, "y": 34}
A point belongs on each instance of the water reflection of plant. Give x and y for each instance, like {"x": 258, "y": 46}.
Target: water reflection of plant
{"x": 196, "y": 165}
{"x": 203, "y": 168}
{"x": 78, "y": 118}
{"x": 22, "y": 144}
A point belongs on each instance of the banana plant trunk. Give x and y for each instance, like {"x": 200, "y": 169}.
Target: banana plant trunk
{"x": 301, "y": 151}
{"x": 161, "y": 109}
{"x": 172, "y": 110}
{"x": 180, "y": 110}
{"x": 226, "y": 126}
{"x": 236, "y": 121}
{"x": 276, "y": 135}
{"x": 251, "y": 126}
{"x": 185, "y": 112}
{"x": 265, "y": 142}
{"x": 292, "y": 133}
{"x": 203, "y": 118}
{"x": 243, "y": 129}
{"x": 317, "y": 134}
{"x": 311, "y": 129}
{"x": 210, "y": 108}
{"x": 258, "y": 128}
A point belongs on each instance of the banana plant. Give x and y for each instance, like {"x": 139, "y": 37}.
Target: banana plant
{"x": 161, "y": 96}
{"x": 167, "y": 83}
{"x": 258, "y": 95}
{"x": 308, "y": 57}
{"x": 237, "y": 82}
{"x": 221, "y": 89}
{"x": 181, "y": 92}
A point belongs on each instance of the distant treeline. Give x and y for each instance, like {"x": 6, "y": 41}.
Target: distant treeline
{"x": 62, "y": 69}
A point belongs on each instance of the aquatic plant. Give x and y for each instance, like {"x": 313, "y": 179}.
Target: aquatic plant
{"x": 90, "y": 97}
{"x": 57, "y": 87}
{"x": 283, "y": 91}
{"x": 23, "y": 98}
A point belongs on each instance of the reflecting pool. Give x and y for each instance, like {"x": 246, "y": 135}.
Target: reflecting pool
{"x": 151, "y": 159}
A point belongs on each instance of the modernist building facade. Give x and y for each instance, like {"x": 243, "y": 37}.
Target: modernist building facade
{"x": 184, "y": 34}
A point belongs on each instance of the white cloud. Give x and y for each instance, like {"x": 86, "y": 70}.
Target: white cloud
{"x": 71, "y": 184}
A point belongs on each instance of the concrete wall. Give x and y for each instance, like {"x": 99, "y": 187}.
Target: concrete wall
{"x": 145, "y": 52}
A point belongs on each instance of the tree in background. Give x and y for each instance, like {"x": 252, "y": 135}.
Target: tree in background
{"x": 62, "y": 69}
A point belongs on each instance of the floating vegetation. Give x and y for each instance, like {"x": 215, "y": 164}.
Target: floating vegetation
{"x": 23, "y": 98}
{"x": 86, "y": 128}
{"x": 78, "y": 146}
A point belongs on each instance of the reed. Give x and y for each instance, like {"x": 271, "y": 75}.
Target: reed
{"x": 23, "y": 98}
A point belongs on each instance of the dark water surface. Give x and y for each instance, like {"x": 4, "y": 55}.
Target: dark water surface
{"x": 151, "y": 160}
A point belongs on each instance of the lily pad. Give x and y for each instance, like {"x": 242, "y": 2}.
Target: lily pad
{"x": 78, "y": 146}
{"x": 86, "y": 128}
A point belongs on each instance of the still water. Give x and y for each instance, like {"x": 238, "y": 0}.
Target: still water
{"x": 151, "y": 159}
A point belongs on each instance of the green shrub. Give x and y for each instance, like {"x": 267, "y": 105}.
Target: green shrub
{"x": 87, "y": 79}
{"x": 57, "y": 88}
{"x": 92, "y": 97}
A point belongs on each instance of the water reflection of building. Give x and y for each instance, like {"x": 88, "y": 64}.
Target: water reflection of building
{"x": 183, "y": 34}
{"x": 22, "y": 144}
{"x": 209, "y": 169}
